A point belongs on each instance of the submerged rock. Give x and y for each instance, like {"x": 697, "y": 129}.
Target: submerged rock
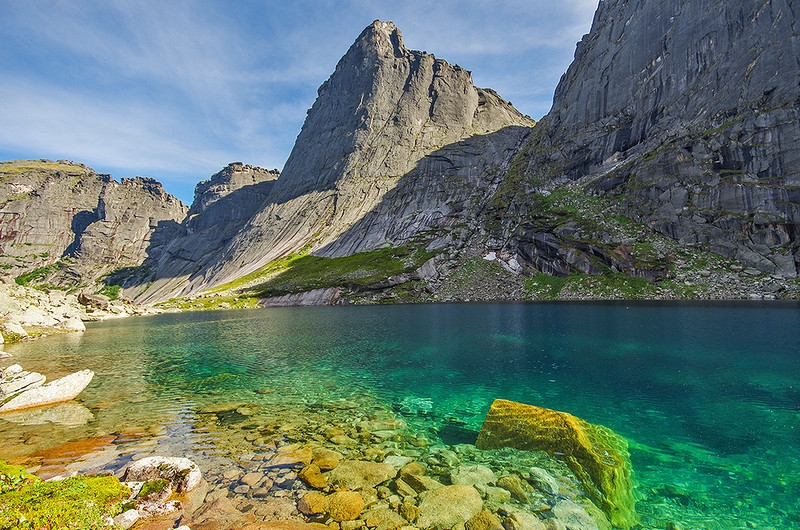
{"x": 357, "y": 474}
{"x": 345, "y": 505}
{"x": 68, "y": 413}
{"x": 448, "y": 506}
{"x": 598, "y": 457}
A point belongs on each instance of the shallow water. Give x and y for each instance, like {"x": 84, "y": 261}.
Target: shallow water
{"x": 708, "y": 395}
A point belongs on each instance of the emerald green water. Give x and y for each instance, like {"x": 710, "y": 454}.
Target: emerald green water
{"x": 707, "y": 394}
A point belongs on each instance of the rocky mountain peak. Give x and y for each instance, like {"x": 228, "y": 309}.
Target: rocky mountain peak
{"x": 233, "y": 177}
{"x": 385, "y": 38}
{"x": 382, "y": 111}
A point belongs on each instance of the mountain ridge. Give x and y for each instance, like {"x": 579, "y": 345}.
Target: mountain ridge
{"x": 663, "y": 170}
{"x": 383, "y": 109}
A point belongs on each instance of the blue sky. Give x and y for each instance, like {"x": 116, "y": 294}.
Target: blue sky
{"x": 175, "y": 90}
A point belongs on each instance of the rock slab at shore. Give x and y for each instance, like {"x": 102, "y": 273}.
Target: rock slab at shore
{"x": 22, "y": 390}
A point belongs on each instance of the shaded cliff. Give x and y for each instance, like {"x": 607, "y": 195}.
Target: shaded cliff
{"x": 685, "y": 115}
{"x": 380, "y": 113}
{"x": 222, "y": 206}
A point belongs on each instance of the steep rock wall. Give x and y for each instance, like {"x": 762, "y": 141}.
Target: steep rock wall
{"x": 222, "y": 206}
{"x": 82, "y": 223}
{"x": 689, "y": 113}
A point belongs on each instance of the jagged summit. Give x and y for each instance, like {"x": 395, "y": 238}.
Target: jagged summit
{"x": 382, "y": 111}
{"x": 385, "y": 37}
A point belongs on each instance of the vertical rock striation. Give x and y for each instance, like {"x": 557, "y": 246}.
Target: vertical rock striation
{"x": 688, "y": 112}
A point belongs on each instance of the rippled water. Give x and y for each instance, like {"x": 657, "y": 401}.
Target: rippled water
{"x": 708, "y": 395}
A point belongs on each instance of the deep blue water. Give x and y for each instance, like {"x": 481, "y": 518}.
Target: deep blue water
{"x": 708, "y": 395}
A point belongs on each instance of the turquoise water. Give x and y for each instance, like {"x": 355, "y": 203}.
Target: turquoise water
{"x": 707, "y": 394}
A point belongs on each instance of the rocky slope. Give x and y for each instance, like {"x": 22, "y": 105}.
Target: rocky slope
{"x": 222, "y": 206}
{"x": 683, "y": 114}
{"x": 375, "y": 129}
{"x": 63, "y": 227}
{"x": 665, "y": 169}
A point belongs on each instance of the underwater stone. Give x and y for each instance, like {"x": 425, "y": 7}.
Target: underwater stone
{"x": 383, "y": 518}
{"x": 598, "y": 456}
{"x": 312, "y": 503}
{"x": 517, "y": 487}
{"x": 485, "y": 520}
{"x": 312, "y": 476}
{"x": 358, "y": 474}
{"x": 325, "y": 459}
{"x": 345, "y": 505}
{"x": 472, "y": 475}
{"x": 448, "y": 506}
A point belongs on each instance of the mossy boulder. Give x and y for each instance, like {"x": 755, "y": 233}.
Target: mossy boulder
{"x": 598, "y": 456}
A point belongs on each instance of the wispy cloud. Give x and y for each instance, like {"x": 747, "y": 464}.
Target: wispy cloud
{"x": 181, "y": 88}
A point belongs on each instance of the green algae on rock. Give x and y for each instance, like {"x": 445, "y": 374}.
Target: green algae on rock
{"x": 598, "y": 456}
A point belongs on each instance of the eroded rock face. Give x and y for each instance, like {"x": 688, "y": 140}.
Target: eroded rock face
{"x": 688, "y": 112}
{"x": 55, "y": 210}
{"x": 597, "y": 456}
{"x": 377, "y": 127}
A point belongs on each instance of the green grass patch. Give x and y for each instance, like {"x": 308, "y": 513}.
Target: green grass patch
{"x": 544, "y": 287}
{"x": 365, "y": 269}
{"x": 18, "y": 167}
{"x": 615, "y": 286}
{"x": 263, "y": 273}
{"x": 28, "y": 502}
{"x": 35, "y": 275}
{"x": 111, "y": 291}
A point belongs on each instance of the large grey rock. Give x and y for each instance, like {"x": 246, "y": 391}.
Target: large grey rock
{"x": 327, "y": 296}
{"x": 685, "y": 111}
{"x": 15, "y": 380}
{"x": 63, "y": 389}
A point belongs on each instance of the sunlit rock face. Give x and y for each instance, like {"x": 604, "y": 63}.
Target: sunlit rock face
{"x": 389, "y": 120}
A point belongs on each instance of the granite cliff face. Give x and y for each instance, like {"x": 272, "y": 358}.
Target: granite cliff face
{"x": 686, "y": 115}
{"x": 377, "y": 119}
{"x": 73, "y": 225}
{"x": 667, "y": 168}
